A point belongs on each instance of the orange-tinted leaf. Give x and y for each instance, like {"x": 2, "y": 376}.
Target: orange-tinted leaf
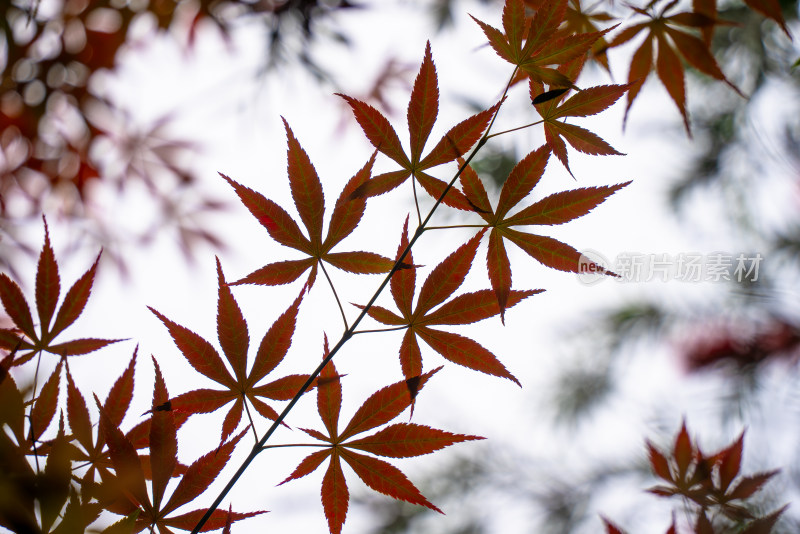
{"x": 308, "y": 465}
{"x": 201, "y": 474}
{"x": 44, "y": 408}
{"x": 382, "y": 406}
{"x": 641, "y": 65}
{"x": 474, "y": 190}
{"x": 48, "y": 284}
{"x": 378, "y": 130}
{"x": 464, "y": 351}
{"x": 278, "y": 273}
{"x": 75, "y": 301}
{"x": 546, "y": 250}
{"x": 546, "y": 21}
{"x": 514, "y": 23}
{"x": 590, "y": 101}
{"x": 423, "y": 107}
{"x": 556, "y": 144}
{"x": 565, "y": 49}
{"x": 522, "y": 179}
{"x": 16, "y": 306}
{"x": 360, "y": 262}
{"x": 279, "y": 224}
{"x": 231, "y": 328}
{"x": 498, "y": 42}
{"x": 385, "y": 478}
{"x": 403, "y": 440}
{"x": 306, "y": 187}
{"x": 199, "y": 352}
{"x": 564, "y": 206}
{"x": 696, "y": 52}
{"x": 410, "y": 355}
{"x": 670, "y": 71}
{"x": 447, "y": 276}
{"x": 276, "y": 342}
{"x": 335, "y": 496}
{"x": 382, "y": 315}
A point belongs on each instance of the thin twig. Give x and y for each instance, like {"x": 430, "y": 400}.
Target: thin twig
{"x": 348, "y": 333}
{"x": 335, "y": 295}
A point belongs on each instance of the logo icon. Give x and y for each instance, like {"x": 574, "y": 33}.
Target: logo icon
{"x": 591, "y": 267}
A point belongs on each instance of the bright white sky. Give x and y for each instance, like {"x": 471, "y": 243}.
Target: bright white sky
{"x": 217, "y": 99}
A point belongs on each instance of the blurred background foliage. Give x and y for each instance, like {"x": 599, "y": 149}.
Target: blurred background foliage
{"x": 56, "y": 133}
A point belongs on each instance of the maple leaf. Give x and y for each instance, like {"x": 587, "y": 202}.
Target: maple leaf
{"x": 129, "y": 480}
{"x": 577, "y": 21}
{"x": 47, "y": 292}
{"x": 584, "y": 103}
{"x": 534, "y": 44}
{"x": 241, "y": 388}
{"x": 423, "y": 110}
{"x": 709, "y": 479}
{"x": 92, "y": 452}
{"x": 310, "y": 202}
{"x": 399, "y": 440}
{"x": 554, "y": 209}
{"x": 670, "y": 43}
{"x": 468, "y": 308}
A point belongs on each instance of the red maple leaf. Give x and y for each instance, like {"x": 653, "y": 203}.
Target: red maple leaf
{"x": 310, "y": 202}
{"x": 125, "y": 493}
{"x": 468, "y": 308}
{"x": 399, "y": 440}
{"x": 48, "y": 288}
{"x": 423, "y": 109}
{"x": 554, "y": 209}
{"x": 241, "y": 388}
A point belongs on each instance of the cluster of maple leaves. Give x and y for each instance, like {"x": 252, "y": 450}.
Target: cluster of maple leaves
{"x": 87, "y": 472}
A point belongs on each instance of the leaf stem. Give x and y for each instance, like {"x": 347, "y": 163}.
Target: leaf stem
{"x": 335, "y": 295}
{"x": 416, "y": 200}
{"x": 30, "y": 412}
{"x": 429, "y": 228}
{"x": 349, "y": 332}
{"x": 295, "y": 445}
{"x": 250, "y": 417}
{"x": 515, "y": 129}
{"x": 377, "y": 330}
